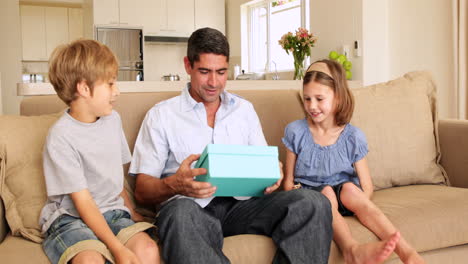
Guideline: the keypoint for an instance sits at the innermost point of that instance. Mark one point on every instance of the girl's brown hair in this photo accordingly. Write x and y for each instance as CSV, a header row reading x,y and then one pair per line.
x,y
81,60
344,100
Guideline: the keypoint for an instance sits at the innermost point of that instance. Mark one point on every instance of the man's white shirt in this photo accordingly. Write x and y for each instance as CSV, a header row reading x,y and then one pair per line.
x,y
176,128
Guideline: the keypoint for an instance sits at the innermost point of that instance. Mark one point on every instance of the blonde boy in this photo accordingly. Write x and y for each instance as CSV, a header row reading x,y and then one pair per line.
x,y
88,216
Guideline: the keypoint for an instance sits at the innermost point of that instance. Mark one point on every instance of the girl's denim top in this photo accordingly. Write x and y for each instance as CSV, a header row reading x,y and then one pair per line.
x,y
325,165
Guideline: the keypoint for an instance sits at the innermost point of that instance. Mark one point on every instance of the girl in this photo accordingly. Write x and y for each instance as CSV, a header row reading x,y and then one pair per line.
x,y
327,154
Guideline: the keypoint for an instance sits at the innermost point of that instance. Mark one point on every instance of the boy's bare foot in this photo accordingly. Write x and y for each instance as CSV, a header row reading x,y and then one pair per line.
x,y
372,253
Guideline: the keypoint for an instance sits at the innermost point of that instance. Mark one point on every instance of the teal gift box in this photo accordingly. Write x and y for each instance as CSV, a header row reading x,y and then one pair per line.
x,y
238,170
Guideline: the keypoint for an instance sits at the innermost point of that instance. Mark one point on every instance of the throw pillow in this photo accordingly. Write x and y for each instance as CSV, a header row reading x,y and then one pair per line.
x,y
399,119
22,184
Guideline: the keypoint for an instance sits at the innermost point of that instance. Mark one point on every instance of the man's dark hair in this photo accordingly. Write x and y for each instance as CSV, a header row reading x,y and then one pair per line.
x,y
206,40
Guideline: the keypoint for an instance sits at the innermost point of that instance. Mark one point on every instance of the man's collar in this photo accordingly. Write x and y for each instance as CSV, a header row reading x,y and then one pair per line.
x,y
188,103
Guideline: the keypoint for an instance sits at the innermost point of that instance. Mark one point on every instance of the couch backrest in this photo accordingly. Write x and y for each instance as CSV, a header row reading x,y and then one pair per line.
x,y
275,108
399,119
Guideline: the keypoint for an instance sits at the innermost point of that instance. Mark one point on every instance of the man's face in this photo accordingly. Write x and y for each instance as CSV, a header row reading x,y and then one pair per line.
x,y
208,77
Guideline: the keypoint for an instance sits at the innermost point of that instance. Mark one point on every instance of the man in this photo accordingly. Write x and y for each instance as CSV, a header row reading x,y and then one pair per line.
x,y
192,224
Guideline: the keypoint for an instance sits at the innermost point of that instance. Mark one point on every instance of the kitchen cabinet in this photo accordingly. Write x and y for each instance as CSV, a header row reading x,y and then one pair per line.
x,y
105,12
123,12
210,13
143,14
56,27
176,18
75,23
33,32
42,29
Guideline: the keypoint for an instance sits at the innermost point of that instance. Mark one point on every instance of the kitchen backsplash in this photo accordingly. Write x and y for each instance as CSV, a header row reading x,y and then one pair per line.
x,y
164,59
35,67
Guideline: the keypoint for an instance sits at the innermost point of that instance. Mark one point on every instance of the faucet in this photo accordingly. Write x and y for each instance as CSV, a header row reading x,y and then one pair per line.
x,y
276,76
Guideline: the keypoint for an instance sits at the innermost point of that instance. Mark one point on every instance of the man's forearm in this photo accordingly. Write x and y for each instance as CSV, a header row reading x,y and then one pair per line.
x,y
151,190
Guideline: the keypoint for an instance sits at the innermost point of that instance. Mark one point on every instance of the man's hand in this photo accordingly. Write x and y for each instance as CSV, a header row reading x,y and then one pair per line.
x,y
277,184
182,182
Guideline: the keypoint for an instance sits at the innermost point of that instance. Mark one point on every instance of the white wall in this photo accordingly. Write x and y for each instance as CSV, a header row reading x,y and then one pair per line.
x,y
233,31
421,38
337,23
10,54
1,107
375,53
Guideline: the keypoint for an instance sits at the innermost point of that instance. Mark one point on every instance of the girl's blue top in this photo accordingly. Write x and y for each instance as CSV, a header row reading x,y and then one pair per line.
x,y
325,165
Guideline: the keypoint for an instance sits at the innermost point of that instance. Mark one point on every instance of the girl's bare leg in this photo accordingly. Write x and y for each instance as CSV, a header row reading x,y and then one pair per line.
x,y
353,252
372,217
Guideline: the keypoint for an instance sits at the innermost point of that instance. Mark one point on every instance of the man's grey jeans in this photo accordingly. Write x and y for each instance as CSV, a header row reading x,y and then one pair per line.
x,y
298,221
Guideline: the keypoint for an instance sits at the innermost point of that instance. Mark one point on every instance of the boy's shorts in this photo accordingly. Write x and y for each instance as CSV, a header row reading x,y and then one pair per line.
x,y
337,189
68,235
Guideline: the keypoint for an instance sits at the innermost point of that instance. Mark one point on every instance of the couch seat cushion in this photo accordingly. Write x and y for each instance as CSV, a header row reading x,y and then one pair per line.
x,y
428,216
19,250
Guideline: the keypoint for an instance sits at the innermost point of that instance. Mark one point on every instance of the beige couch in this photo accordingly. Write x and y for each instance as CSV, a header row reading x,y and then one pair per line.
x,y
404,135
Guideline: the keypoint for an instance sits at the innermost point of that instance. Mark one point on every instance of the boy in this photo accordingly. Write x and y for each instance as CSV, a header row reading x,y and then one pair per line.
x,y
86,218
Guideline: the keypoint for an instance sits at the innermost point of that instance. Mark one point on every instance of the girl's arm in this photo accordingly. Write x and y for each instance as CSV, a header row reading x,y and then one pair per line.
x,y
92,217
362,170
289,170
136,217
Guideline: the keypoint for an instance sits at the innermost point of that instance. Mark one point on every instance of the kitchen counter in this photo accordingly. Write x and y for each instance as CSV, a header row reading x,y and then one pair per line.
x,y
31,89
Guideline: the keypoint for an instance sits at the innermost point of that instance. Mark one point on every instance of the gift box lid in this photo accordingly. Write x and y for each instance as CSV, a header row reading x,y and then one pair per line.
x,y
239,170
243,150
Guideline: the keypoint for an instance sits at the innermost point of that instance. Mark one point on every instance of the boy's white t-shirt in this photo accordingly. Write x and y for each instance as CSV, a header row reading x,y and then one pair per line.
x,y
81,156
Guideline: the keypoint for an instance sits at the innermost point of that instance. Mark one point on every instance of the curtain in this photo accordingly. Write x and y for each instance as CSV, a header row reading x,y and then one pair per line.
x,y
461,55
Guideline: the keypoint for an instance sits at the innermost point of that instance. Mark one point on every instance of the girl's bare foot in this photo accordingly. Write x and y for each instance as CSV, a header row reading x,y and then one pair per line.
x,y
372,253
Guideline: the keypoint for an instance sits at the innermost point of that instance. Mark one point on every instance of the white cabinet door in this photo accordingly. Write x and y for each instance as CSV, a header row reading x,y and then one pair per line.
x,y
106,12
33,32
150,16
180,16
140,14
56,27
210,13
130,12
176,17
75,23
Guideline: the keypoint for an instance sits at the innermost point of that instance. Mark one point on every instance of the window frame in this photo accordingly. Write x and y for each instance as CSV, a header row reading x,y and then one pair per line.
x,y
246,13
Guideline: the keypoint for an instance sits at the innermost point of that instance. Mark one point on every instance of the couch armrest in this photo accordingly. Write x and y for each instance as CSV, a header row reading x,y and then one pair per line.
x,y
453,136
3,224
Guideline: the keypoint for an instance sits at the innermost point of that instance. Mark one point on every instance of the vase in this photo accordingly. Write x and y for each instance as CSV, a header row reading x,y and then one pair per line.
x,y
298,65
298,70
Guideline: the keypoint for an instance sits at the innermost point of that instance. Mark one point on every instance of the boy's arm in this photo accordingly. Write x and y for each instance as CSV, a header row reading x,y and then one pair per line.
x,y
289,171
92,217
136,217
362,170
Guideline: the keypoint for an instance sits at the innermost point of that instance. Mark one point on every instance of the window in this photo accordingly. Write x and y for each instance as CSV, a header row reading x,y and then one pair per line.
x,y
267,21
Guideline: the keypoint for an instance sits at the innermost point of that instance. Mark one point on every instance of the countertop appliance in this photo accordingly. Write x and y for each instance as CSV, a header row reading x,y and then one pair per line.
x,y
171,77
127,45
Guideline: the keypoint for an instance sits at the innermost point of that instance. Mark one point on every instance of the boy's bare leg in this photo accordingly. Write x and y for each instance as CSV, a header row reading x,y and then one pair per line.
x,y
353,252
144,247
88,256
373,218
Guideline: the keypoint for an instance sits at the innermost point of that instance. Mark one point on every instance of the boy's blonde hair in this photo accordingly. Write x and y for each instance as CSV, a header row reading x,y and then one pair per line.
x,y
344,100
81,60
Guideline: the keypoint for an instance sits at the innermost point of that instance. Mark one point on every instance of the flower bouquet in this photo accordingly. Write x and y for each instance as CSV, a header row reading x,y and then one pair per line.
x,y
299,44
